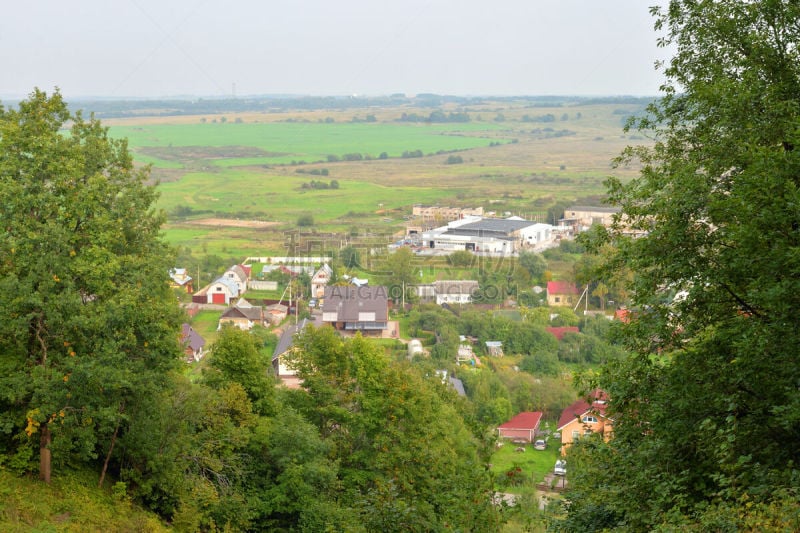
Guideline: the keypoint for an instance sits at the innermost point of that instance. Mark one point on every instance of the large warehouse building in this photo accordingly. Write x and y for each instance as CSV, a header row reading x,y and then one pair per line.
x,y
504,236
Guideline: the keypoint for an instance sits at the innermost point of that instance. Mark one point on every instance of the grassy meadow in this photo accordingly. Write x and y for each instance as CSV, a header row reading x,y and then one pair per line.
x,y
253,167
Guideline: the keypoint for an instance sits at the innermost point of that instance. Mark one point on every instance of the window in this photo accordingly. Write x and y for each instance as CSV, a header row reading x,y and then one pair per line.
x,y
589,419
576,435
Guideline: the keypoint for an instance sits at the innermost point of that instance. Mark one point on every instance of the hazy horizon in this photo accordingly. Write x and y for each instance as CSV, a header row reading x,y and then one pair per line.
x,y
151,49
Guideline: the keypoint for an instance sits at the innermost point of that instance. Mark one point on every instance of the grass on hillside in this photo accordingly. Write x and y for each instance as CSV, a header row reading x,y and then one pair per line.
x,y
205,323
534,464
71,503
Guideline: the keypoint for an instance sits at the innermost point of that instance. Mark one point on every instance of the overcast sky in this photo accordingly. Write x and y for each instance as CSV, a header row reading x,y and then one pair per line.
x,y
150,48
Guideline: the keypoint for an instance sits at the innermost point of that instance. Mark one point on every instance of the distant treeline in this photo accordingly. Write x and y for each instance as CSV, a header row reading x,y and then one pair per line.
x,y
435,116
106,108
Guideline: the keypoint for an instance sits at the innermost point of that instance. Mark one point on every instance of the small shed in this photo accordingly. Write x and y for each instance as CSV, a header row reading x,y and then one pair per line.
x,y
523,426
414,348
494,348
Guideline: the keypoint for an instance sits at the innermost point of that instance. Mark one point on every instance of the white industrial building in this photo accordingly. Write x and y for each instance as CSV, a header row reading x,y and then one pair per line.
x,y
495,236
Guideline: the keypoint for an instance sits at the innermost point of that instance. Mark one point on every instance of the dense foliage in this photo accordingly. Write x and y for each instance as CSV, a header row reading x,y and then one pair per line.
x,y
89,322
92,379
706,410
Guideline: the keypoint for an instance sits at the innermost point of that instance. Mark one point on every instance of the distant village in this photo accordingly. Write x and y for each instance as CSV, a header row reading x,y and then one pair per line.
x,y
353,305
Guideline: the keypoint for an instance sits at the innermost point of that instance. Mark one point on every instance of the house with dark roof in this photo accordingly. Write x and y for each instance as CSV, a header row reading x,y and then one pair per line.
x,y
562,293
584,417
280,368
454,291
364,309
193,344
243,315
521,427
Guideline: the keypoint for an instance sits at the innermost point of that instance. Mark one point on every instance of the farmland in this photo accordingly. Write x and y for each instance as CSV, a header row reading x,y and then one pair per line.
x,y
258,166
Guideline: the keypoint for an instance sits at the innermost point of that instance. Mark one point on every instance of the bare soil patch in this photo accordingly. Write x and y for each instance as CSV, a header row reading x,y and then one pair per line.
x,y
186,154
233,223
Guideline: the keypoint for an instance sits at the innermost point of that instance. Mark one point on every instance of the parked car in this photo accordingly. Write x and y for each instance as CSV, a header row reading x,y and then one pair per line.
x,y
540,444
312,303
560,468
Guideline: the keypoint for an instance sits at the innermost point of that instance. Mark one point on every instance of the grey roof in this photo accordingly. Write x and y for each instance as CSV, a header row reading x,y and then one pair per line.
x,y
497,225
239,272
596,209
458,385
287,338
232,286
191,338
348,302
250,313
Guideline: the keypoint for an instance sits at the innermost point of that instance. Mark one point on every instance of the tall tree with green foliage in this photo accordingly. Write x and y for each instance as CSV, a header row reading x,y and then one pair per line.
x,y
89,323
407,459
707,410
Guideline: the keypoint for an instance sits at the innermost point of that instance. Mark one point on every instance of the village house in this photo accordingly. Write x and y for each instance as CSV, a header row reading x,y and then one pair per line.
x,y
243,315
562,293
454,291
585,216
364,309
283,371
559,331
320,280
238,274
193,344
180,279
584,417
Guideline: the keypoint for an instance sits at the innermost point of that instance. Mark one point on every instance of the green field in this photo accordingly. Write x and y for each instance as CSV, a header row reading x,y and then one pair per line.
x,y
254,168
231,144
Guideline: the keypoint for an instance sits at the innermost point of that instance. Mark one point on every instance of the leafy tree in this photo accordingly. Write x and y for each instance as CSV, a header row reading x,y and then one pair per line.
x,y
407,460
707,407
534,263
399,271
350,256
461,258
89,323
305,220
235,358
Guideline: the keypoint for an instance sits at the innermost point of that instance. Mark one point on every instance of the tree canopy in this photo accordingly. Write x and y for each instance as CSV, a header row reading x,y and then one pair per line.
x,y
706,410
89,322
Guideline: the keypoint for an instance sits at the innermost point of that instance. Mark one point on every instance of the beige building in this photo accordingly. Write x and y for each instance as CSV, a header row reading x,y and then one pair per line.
x,y
440,213
589,215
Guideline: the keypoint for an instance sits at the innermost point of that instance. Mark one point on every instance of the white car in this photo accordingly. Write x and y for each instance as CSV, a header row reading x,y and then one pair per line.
x,y
540,444
560,468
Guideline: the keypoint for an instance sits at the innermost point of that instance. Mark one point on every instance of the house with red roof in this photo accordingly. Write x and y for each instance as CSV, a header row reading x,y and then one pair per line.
x,y
562,293
559,331
522,427
584,417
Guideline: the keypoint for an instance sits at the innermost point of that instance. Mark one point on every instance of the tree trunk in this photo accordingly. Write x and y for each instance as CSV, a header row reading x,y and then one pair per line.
x,y
110,450
44,453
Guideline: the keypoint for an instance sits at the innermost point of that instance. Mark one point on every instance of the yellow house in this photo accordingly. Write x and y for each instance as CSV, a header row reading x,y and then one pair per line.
x,y
584,417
